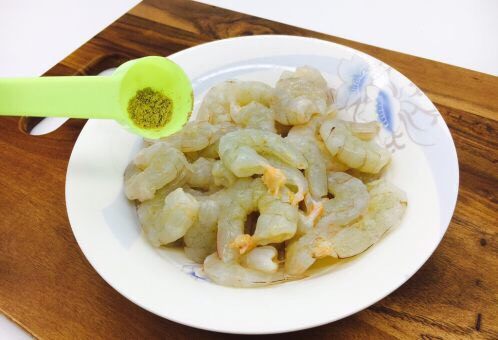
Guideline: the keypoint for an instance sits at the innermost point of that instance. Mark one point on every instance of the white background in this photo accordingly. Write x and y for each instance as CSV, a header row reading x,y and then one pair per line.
x,y
35,35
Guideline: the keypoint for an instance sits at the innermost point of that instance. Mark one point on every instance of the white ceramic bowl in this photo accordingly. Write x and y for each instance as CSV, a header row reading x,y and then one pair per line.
x,y
164,282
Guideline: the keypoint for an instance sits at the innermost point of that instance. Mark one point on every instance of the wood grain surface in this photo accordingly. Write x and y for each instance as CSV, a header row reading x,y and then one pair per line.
x,y
48,287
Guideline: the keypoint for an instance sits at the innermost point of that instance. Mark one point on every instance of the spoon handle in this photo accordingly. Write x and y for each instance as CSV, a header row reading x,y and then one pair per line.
x,y
74,97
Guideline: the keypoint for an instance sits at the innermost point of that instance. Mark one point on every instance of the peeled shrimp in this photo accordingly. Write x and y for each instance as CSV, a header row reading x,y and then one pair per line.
x,y
366,156
314,211
239,151
385,211
255,116
349,203
302,252
148,212
365,131
386,207
299,95
240,200
199,174
277,221
350,199
235,275
261,258
169,221
226,99
222,176
154,167
233,145
197,135
307,140
294,181
315,173
200,238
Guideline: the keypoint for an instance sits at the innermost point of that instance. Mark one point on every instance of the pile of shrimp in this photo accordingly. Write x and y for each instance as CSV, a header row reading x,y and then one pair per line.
x,y
265,181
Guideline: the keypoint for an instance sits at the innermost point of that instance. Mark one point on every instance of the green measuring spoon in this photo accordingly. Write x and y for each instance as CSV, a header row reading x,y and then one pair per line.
x,y
101,97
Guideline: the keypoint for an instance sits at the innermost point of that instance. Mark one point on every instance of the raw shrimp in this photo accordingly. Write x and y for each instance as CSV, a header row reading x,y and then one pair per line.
x,y
277,221
199,174
302,252
349,203
350,199
200,239
366,177
294,180
154,167
167,222
385,211
239,151
310,130
365,131
222,176
225,100
240,200
366,156
261,258
386,207
234,143
307,140
299,95
314,210
235,275
197,135
210,151
150,208
316,172
255,116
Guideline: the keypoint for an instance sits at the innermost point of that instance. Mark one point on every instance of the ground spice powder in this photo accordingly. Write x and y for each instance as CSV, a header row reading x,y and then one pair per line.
x,y
150,109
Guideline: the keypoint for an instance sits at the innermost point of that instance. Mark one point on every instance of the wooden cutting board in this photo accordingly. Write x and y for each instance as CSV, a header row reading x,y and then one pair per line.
x,y
48,287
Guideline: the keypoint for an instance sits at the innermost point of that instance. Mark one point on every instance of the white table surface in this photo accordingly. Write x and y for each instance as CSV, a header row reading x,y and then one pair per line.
x,y
35,35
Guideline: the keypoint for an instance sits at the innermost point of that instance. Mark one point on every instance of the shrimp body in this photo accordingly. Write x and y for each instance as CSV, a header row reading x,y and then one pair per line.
x,y
386,207
316,172
350,199
277,221
299,95
234,275
200,238
199,174
307,140
242,152
242,146
225,100
357,153
240,200
153,168
261,258
308,220
294,181
255,116
167,221
385,211
222,176
349,203
196,135
302,252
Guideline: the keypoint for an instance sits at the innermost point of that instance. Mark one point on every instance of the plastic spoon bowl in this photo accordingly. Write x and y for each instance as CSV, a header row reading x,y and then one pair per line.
x,y
101,97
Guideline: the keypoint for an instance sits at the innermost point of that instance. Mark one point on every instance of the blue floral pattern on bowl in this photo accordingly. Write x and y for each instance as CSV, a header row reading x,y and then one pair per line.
x,y
386,96
195,270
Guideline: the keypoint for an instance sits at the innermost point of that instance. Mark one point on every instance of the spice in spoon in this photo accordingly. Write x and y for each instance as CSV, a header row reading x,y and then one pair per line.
x,y
150,109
